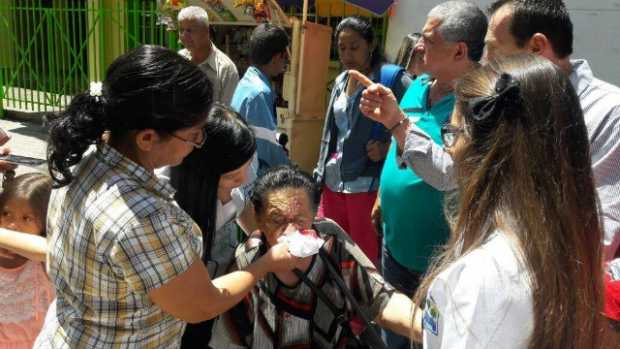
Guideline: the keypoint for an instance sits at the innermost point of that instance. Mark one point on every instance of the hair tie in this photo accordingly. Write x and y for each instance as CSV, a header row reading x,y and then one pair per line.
x,y
96,90
506,93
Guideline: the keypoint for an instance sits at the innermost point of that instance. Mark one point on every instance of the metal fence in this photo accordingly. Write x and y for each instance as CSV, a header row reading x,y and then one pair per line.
x,y
51,49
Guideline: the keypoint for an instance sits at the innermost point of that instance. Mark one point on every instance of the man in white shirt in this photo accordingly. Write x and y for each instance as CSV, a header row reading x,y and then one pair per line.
x,y
194,34
540,27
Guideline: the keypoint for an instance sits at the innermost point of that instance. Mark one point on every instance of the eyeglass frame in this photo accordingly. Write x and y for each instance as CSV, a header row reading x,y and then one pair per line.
x,y
194,144
450,129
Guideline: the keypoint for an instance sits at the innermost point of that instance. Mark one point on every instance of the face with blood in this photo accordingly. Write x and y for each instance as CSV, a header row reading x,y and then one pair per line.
x,y
283,207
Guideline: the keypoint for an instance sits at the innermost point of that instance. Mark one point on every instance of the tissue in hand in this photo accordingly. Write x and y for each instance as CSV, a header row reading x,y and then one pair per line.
x,y
302,243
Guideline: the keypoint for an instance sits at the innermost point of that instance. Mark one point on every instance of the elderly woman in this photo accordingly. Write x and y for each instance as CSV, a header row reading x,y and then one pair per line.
x,y
306,307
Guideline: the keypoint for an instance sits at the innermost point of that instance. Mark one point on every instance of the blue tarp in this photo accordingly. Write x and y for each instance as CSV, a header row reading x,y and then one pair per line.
x,y
375,6
378,7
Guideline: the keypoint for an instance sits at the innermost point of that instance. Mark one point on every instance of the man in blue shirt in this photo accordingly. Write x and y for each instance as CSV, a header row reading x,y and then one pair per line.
x,y
254,97
414,225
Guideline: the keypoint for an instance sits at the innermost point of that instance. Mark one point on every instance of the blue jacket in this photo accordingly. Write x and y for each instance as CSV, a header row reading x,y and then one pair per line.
x,y
355,161
255,101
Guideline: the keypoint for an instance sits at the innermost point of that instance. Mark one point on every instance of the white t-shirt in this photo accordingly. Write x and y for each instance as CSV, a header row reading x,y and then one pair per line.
x,y
240,195
483,300
226,212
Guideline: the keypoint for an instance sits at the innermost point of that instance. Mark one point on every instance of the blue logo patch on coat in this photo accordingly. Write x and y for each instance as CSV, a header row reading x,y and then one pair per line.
x,y
430,319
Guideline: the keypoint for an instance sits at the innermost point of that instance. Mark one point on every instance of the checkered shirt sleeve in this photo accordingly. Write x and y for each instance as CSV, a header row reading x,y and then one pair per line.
x,y
153,251
115,234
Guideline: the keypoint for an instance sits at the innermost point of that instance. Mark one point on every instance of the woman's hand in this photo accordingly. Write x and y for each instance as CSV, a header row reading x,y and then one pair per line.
x,y
4,165
278,259
376,150
378,102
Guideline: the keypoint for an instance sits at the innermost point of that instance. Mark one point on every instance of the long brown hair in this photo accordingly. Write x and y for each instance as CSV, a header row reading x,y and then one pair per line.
x,y
526,170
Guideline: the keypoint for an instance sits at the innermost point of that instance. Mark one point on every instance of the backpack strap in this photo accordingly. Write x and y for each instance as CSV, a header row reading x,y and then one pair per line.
x,y
375,340
390,74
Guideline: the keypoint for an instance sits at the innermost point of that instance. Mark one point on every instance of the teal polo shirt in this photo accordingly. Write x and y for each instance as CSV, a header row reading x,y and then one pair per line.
x,y
414,225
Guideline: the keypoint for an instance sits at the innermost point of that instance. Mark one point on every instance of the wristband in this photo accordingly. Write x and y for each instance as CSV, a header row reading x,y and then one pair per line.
x,y
402,121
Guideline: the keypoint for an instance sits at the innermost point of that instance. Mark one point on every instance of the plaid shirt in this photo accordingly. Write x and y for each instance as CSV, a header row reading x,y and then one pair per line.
x,y
115,234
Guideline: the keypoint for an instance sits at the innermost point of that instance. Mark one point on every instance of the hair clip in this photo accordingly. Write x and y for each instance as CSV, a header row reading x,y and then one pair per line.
x,y
96,89
506,92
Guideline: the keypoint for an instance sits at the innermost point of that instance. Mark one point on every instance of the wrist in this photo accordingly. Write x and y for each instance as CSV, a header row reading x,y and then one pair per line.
x,y
261,267
398,124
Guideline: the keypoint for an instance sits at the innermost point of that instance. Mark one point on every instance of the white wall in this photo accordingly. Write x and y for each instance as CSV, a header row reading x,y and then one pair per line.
x,y
596,31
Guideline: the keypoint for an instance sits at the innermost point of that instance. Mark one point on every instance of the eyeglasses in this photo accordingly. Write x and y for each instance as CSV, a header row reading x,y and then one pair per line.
x,y
449,134
198,140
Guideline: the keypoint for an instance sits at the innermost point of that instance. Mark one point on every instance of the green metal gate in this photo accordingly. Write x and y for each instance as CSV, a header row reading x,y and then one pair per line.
x,y
51,49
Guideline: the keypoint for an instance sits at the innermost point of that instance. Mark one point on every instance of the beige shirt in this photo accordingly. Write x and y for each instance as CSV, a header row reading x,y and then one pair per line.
x,y
221,71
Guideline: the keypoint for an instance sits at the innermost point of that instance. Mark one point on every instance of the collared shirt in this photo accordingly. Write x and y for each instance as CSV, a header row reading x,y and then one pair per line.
x,y
255,101
414,225
600,103
482,300
115,234
221,71
355,162
333,175
274,315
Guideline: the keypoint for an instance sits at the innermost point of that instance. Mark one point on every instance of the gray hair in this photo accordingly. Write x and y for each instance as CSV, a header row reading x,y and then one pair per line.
x,y
193,13
462,21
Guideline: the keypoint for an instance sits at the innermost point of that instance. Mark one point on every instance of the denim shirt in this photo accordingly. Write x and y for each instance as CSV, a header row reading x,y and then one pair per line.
x,y
255,100
333,176
355,162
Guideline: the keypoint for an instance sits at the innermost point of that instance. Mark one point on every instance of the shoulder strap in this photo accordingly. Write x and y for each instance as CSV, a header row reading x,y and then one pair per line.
x,y
377,342
340,316
390,74
332,307
248,251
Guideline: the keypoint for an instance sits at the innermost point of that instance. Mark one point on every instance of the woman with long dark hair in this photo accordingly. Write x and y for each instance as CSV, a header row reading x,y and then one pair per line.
x,y
207,183
353,147
522,268
124,258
